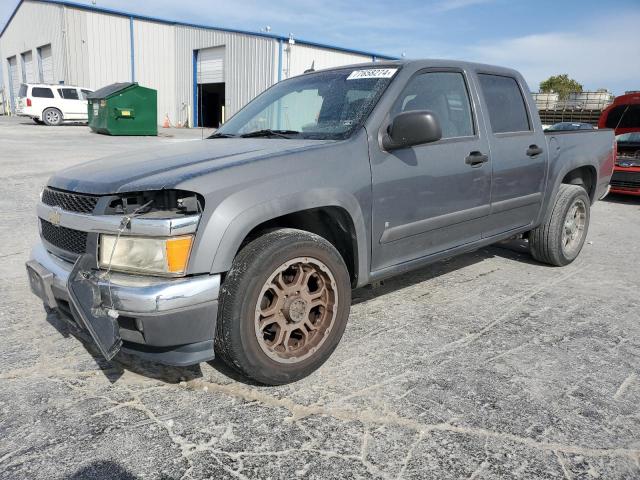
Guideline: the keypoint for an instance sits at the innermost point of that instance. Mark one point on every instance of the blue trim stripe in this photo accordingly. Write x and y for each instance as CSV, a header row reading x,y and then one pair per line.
x,y
280,42
195,88
133,56
194,25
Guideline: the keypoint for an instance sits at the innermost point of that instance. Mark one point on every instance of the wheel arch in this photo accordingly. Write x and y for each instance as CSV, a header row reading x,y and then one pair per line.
x,y
573,173
585,176
333,214
333,223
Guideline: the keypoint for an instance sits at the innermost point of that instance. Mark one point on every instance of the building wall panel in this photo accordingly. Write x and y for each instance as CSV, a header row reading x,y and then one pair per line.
x,y
155,64
109,46
76,65
34,24
97,47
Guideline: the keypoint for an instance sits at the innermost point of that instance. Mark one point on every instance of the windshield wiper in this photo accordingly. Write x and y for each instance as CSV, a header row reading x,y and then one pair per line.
x,y
221,135
267,132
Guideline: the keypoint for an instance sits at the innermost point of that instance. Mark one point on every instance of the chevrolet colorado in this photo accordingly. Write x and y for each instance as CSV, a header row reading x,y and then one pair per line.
x,y
247,244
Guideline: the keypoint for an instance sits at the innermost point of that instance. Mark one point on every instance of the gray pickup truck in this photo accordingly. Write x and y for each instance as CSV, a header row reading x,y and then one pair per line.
x,y
248,243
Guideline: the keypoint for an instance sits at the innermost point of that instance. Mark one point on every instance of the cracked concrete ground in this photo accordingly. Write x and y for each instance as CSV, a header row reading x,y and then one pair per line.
x,y
486,366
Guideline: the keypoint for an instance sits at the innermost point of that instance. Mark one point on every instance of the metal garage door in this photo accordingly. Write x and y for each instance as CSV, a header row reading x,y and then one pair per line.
x,y
14,80
211,65
28,71
45,66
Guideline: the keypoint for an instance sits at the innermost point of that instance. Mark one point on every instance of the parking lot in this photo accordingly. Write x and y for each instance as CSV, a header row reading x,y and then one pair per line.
x,y
489,365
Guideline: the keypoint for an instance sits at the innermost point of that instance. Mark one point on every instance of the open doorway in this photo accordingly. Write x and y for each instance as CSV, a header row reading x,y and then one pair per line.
x,y
211,105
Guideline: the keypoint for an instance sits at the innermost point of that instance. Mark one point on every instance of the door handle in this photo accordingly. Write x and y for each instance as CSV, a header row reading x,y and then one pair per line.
x,y
534,150
475,159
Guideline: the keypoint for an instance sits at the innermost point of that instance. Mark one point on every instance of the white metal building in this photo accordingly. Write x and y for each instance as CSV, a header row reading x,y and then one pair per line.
x,y
193,67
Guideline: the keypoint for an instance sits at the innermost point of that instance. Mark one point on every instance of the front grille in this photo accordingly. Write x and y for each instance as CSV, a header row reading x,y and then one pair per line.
x,y
66,239
625,179
73,202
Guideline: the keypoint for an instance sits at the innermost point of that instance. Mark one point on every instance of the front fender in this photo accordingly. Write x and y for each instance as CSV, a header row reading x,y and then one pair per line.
x,y
240,213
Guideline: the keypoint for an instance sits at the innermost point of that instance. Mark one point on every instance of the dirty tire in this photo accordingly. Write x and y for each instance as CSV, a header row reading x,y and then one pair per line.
x,y
547,242
52,117
239,341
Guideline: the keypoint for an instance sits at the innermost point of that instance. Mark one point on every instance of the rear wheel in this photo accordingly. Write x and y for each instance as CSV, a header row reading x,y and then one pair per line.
x,y
52,117
283,307
559,240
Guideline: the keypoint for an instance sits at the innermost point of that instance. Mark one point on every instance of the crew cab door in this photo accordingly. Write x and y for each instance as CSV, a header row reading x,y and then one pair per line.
x,y
518,156
432,197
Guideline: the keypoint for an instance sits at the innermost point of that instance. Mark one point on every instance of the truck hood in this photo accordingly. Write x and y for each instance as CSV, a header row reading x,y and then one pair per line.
x,y
170,165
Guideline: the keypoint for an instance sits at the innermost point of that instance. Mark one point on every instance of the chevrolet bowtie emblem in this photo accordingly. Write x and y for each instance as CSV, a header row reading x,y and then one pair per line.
x,y
54,217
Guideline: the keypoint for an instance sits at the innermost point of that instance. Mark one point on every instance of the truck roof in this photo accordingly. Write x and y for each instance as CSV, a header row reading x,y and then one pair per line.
x,y
427,63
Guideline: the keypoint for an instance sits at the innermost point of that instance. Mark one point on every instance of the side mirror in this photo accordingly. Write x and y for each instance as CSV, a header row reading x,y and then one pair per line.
x,y
412,128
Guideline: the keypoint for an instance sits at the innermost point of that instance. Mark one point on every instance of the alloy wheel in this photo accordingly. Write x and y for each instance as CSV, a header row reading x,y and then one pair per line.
x,y
296,310
574,228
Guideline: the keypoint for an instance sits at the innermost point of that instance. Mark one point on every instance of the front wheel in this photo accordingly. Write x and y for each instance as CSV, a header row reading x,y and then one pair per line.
x,y
559,240
283,307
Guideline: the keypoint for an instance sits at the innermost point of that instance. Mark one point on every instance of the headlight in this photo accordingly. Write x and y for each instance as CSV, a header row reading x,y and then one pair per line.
x,y
155,256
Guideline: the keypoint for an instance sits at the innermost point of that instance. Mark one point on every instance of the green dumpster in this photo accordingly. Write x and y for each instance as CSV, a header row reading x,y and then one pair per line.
x,y
123,109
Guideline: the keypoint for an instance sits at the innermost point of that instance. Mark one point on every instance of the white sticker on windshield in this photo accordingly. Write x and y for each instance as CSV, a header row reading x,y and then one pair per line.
x,y
372,73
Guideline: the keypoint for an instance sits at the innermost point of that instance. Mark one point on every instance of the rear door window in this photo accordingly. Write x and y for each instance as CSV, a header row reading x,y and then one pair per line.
x,y
84,93
40,92
507,109
68,93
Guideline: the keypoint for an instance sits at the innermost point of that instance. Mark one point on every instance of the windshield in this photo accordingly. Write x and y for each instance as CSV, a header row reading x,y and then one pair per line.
x,y
323,105
633,137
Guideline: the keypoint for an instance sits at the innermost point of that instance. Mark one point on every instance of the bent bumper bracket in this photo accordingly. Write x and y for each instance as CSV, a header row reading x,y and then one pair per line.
x,y
85,297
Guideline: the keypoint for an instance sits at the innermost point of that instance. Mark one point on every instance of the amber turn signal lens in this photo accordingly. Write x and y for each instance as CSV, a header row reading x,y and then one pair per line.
x,y
178,250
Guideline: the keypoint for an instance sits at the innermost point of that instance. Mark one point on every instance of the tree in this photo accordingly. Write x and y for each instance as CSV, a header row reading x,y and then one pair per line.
x,y
560,84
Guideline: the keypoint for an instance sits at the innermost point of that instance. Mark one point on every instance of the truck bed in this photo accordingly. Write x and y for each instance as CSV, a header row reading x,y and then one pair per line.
x,y
570,148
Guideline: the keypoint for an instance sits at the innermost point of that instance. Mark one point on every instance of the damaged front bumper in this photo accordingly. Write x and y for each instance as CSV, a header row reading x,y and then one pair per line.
x,y
167,320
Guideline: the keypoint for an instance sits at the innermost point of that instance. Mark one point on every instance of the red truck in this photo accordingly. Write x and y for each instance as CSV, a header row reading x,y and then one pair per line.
x,y
623,115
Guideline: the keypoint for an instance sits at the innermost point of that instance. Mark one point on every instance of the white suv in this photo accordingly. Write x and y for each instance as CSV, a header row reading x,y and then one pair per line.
x,y
52,104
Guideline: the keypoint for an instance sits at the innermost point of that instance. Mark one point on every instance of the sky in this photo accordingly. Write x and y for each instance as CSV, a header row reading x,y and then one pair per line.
x,y
596,42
